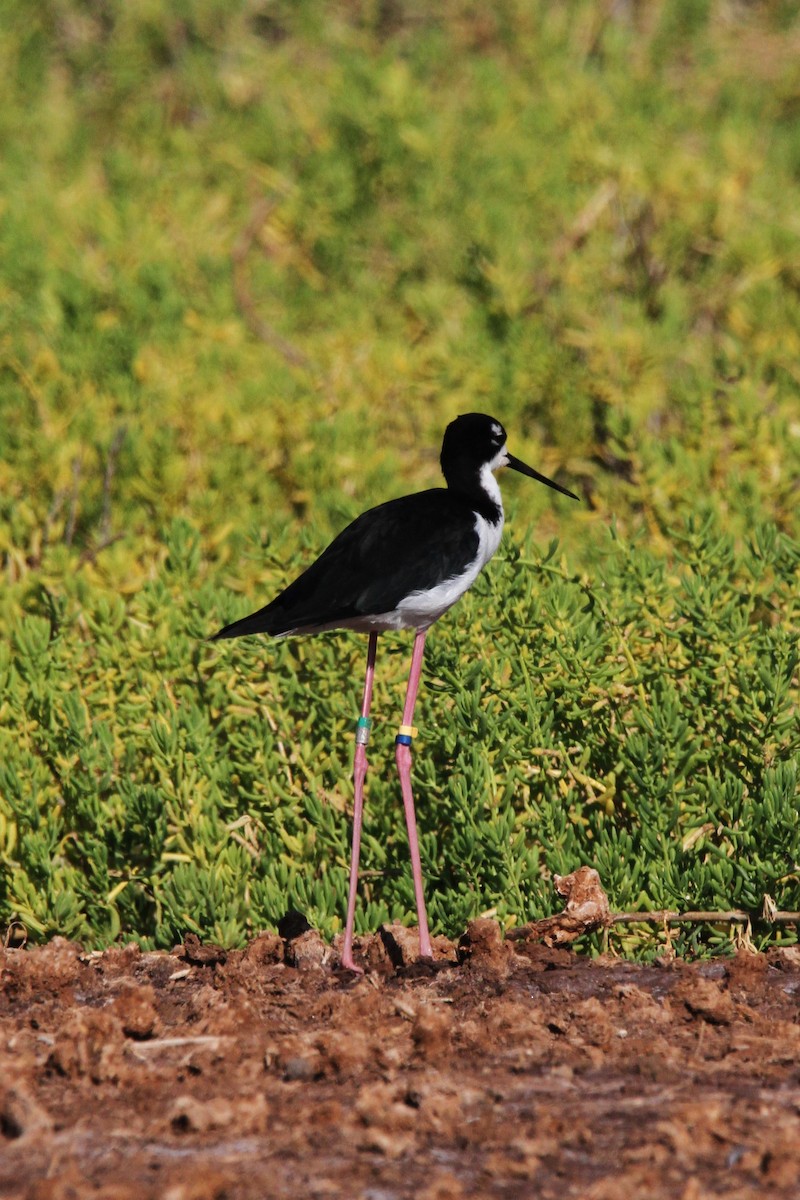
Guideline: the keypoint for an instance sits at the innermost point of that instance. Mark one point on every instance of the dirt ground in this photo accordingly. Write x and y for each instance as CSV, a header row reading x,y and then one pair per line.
x,y
503,1070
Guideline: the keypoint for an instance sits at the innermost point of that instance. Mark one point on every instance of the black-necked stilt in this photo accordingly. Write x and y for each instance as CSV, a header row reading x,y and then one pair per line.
x,y
401,566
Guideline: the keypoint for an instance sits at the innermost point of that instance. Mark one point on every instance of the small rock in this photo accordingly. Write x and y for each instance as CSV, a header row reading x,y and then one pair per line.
x,y
208,1185
20,1115
247,1113
200,955
135,1009
443,1186
71,1184
298,1070
401,944
308,951
483,945
189,1115
368,951
705,999
385,1106
89,1044
747,969
431,1031
264,950
787,958
343,1054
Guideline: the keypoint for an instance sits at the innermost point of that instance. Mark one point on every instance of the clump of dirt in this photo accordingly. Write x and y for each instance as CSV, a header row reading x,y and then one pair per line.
x,y
503,1069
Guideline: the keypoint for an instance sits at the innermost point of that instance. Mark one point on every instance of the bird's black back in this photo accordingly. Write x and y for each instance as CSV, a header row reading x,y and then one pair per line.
x,y
403,546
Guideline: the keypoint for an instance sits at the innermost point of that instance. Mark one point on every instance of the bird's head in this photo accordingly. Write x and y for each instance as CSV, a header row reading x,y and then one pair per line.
x,y
475,441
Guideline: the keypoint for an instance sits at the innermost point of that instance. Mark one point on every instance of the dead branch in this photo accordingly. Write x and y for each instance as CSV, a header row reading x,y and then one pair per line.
x,y
243,294
72,512
735,916
117,443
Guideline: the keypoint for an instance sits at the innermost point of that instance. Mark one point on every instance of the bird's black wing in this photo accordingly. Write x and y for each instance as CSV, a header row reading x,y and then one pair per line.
x,y
402,546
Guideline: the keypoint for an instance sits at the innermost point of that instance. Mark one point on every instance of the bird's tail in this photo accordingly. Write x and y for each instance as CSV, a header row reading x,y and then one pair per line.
x,y
258,622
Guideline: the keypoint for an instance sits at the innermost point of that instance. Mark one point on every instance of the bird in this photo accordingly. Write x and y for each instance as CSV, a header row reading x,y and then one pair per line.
x,y
401,566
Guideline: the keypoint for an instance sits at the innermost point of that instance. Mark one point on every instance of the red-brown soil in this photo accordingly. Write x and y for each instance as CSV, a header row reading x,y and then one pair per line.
x,y
518,1071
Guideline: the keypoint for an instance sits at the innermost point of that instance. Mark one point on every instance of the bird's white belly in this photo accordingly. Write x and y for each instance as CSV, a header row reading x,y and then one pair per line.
x,y
420,609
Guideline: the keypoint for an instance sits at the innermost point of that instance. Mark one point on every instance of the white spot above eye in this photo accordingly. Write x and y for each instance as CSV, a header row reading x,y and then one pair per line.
x,y
497,430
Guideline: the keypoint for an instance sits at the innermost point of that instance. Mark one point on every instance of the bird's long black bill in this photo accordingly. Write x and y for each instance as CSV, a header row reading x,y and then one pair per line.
x,y
524,469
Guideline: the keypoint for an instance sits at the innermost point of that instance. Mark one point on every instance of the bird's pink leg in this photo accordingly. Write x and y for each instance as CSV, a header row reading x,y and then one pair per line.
x,y
403,756
359,773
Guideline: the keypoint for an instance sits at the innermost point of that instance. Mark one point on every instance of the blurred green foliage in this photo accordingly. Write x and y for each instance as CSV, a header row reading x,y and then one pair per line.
x,y
253,257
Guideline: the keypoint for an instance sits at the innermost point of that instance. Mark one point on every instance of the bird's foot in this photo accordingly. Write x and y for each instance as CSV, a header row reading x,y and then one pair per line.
x,y
425,947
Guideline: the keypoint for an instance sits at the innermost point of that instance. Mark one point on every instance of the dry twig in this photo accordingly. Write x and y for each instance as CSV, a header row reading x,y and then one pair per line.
x,y
244,296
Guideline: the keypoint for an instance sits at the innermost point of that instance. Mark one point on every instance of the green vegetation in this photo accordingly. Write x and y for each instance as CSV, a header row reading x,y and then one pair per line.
x,y
253,257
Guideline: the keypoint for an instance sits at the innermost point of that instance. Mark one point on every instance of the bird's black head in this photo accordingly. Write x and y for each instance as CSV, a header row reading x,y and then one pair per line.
x,y
473,442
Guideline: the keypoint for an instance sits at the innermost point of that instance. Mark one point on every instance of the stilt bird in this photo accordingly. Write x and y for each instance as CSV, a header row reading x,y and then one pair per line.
x,y
401,566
